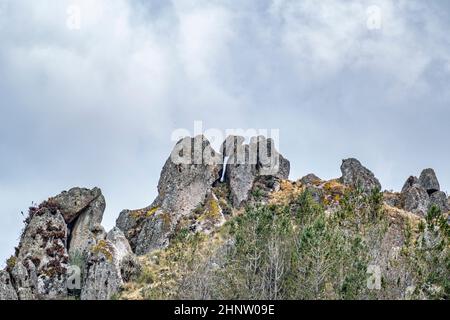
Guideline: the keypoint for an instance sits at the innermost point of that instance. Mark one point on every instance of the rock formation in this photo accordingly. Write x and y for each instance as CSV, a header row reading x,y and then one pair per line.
x,y
198,191
185,188
429,181
419,194
105,266
246,162
186,179
7,291
354,174
64,230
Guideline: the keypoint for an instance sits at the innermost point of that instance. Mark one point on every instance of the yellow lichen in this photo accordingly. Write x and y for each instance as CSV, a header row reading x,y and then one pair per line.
x,y
11,263
151,212
104,248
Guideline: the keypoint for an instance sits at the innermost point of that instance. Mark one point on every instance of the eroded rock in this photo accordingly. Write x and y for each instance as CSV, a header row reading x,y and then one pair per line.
x,y
102,279
439,199
416,200
42,258
87,225
109,263
71,203
310,179
7,290
429,181
354,174
412,180
246,162
186,179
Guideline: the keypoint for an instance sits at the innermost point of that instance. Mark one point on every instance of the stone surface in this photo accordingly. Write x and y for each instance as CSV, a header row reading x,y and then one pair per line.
x,y
102,278
440,200
7,290
120,243
87,225
416,200
246,162
186,179
71,203
25,280
42,258
354,174
240,177
107,260
130,268
429,181
269,161
412,180
310,179
210,217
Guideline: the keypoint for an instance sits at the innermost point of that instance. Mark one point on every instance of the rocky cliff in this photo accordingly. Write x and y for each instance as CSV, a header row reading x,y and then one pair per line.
x,y
64,252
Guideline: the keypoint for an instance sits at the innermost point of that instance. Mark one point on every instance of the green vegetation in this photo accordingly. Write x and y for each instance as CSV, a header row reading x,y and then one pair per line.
x,y
300,250
429,257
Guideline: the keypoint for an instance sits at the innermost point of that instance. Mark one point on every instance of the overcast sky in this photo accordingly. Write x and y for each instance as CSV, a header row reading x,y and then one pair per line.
x,y
96,105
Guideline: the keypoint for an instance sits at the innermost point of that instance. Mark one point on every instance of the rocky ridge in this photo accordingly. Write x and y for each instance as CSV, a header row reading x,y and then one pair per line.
x,y
63,238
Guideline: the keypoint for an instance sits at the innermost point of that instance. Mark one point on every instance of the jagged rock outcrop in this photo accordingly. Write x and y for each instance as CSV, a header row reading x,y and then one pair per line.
x,y
354,174
185,188
429,181
310,179
419,194
73,202
439,199
87,225
102,278
106,262
24,276
63,227
246,162
416,199
192,198
412,180
7,291
42,258
186,179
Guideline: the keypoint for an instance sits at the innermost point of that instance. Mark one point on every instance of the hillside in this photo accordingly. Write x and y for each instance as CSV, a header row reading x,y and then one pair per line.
x,y
231,225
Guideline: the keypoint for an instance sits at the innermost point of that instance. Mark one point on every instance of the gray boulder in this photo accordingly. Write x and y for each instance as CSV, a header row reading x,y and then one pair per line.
x,y
107,259
240,176
429,181
71,203
310,179
439,199
42,258
145,229
354,174
120,243
87,225
246,162
7,291
186,179
416,200
412,180
102,277
25,280
269,161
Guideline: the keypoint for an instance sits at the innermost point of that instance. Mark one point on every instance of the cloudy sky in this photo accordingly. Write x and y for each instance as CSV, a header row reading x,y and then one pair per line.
x,y
91,90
